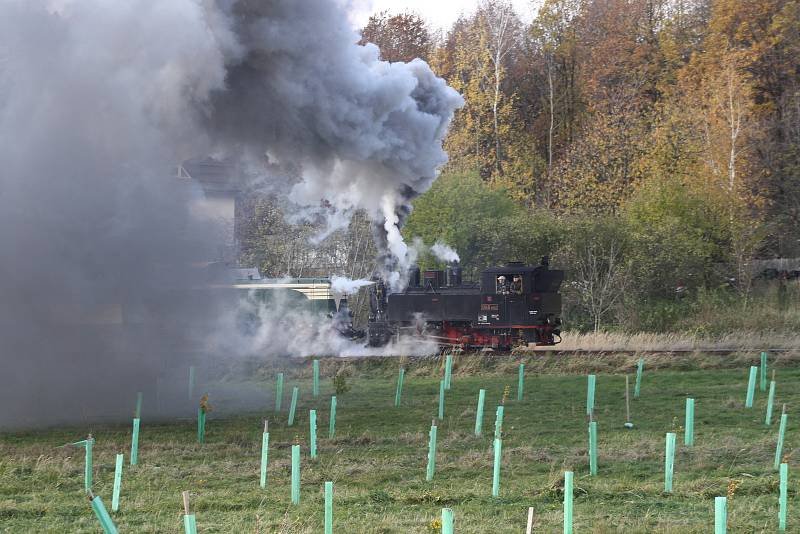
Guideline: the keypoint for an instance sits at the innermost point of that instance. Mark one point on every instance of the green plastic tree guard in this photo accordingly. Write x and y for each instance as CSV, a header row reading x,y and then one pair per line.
x,y
191,382
568,476
201,425
498,422
448,521
751,387
669,462
498,451
117,482
783,497
448,371
770,403
763,386
279,392
521,381
295,474
87,445
431,454
637,387
102,516
135,443
329,507
312,431
720,515
332,421
399,391
593,448
688,437
316,378
264,456
479,412
441,399
293,406
590,387
781,434
190,524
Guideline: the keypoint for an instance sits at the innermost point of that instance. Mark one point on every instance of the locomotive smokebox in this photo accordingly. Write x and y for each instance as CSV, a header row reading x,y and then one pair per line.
x,y
413,276
453,275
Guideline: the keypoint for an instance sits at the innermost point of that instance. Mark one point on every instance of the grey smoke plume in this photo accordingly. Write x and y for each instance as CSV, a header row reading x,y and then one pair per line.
x,y
99,99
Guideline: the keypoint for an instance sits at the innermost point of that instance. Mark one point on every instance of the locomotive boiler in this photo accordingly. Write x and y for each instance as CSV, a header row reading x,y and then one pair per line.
x,y
512,305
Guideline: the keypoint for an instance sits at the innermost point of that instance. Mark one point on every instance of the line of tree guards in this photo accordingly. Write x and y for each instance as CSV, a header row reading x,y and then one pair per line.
x,y
651,147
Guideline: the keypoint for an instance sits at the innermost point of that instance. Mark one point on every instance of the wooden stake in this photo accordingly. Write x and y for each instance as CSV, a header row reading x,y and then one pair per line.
x,y
529,530
185,496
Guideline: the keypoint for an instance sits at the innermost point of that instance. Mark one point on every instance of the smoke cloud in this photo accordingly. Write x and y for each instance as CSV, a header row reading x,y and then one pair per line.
x,y
99,99
444,253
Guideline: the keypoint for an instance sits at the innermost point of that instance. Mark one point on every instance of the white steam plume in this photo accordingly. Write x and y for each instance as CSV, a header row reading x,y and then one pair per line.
x,y
347,286
444,252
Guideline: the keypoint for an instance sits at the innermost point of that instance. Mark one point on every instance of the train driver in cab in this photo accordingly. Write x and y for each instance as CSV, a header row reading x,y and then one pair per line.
x,y
516,285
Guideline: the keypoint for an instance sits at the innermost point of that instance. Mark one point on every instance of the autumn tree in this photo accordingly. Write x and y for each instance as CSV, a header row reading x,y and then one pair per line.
x,y
401,37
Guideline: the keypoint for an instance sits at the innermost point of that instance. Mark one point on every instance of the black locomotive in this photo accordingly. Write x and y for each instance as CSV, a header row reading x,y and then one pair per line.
x,y
513,305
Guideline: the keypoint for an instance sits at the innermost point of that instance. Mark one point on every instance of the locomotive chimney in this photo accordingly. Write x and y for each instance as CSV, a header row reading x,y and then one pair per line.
x,y
413,276
454,274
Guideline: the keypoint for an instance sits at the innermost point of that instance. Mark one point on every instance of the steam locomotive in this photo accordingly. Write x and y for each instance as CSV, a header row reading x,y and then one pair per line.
x,y
512,305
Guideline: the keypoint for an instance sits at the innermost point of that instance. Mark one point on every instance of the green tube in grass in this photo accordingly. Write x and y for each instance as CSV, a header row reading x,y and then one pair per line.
x,y
568,482
498,452
441,399
399,391
264,455
295,474
720,515
117,482
763,385
189,524
498,422
329,507
637,387
431,470
448,520
781,435
751,387
783,497
669,462
479,412
135,442
332,421
770,403
448,371
312,431
201,425
293,406
520,381
688,437
593,448
590,387
102,515
279,392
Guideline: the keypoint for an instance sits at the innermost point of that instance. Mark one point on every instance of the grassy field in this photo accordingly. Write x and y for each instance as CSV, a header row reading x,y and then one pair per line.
x,y
377,459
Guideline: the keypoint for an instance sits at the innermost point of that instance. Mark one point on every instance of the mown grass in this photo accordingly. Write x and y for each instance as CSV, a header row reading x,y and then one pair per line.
x,y
377,459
